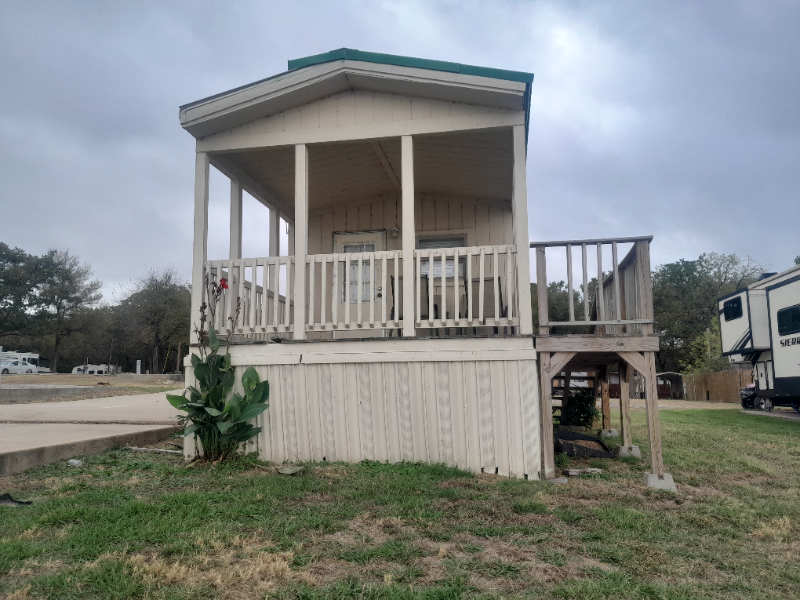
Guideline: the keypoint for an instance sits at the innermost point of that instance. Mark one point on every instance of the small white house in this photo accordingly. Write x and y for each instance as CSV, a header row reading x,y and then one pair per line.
x,y
403,307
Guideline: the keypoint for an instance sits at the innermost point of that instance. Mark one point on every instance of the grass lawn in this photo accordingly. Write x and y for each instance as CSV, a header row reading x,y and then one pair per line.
x,y
130,525
96,386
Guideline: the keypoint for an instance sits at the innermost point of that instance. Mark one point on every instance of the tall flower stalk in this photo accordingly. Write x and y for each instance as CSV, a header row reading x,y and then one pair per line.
x,y
217,415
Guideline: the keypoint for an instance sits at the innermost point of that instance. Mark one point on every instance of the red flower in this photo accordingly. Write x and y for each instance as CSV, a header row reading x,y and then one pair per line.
x,y
223,283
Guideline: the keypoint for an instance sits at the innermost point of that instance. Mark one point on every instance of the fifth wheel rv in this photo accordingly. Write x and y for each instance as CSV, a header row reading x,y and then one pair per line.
x,y
760,324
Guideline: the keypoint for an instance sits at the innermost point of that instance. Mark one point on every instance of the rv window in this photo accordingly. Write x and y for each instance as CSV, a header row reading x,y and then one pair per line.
x,y
789,320
732,308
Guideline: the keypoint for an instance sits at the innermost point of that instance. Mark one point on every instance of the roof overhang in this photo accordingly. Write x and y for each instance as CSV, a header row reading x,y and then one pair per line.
x,y
321,78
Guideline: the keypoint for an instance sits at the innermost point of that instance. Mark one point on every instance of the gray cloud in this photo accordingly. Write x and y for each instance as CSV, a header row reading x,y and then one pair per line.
x,y
676,119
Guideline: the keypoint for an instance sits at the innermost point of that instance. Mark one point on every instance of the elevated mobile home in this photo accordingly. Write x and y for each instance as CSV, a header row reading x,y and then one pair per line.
x,y
403,307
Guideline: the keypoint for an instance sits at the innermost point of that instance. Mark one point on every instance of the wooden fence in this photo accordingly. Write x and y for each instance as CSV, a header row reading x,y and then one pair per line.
x,y
722,386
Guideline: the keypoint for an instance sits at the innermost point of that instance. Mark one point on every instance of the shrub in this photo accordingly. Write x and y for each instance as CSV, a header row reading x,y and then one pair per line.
x,y
580,410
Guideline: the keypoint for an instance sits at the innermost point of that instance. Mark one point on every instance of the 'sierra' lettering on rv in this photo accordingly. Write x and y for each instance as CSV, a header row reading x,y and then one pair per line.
x,y
790,342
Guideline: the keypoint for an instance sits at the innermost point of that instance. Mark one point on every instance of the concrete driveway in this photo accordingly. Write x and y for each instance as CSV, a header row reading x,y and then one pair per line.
x,y
37,434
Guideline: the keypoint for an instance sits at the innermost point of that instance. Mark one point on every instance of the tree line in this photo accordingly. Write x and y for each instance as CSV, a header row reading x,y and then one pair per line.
x,y
52,305
685,296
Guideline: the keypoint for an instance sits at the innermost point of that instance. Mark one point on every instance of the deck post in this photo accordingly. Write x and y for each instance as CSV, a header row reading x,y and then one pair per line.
x,y
200,248
541,289
519,207
236,219
546,385
407,177
300,238
625,404
653,423
605,400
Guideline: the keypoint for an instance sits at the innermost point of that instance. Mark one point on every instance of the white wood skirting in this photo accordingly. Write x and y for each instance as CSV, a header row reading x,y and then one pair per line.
x,y
478,415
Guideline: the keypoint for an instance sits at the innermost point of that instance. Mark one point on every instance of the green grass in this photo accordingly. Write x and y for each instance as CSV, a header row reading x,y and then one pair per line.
x,y
129,525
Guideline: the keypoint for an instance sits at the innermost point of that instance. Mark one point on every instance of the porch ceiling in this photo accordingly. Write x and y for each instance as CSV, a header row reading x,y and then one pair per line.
x,y
473,165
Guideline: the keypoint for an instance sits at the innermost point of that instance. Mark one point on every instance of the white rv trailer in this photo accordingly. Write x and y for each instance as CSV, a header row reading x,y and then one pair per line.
x,y
29,357
760,324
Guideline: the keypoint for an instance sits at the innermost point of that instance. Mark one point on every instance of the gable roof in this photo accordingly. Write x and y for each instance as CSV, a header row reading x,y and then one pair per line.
x,y
314,77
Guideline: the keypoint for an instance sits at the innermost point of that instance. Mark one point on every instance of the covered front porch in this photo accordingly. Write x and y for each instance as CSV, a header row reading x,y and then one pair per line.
x,y
409,236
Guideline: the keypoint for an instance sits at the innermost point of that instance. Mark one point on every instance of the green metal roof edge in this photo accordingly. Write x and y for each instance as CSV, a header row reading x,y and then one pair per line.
x,y
408,61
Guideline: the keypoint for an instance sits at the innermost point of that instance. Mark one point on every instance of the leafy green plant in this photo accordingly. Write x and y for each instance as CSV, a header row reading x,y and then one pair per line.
x,y
216,414
580,410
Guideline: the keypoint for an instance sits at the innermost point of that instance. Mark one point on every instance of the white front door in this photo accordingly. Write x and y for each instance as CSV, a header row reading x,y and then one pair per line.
x,y
357,242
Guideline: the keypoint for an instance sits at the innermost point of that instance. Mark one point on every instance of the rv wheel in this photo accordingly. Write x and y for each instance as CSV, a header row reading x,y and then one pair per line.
x,y
29,371
768,406
759,404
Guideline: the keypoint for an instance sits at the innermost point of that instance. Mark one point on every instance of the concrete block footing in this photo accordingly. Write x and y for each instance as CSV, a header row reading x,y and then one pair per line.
x,y
665,482
628,451
607,433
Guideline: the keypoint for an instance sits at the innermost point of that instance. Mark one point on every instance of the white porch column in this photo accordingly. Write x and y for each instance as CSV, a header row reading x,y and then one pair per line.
x,y
519,208
236,219
274,232
300,238
407,168
200,249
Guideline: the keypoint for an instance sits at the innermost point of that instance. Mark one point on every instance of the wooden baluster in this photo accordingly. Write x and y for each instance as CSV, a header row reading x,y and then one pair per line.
x,y
312,271
372,289
290,276
276,276
510,296
601,311
397,299
541,290
496,282
323,317
265,297
418,254
481,290
443,307
346,284
585,283
384,290
469,286
430,287
617,306
335,293
569,283
360,292
455,286
253,298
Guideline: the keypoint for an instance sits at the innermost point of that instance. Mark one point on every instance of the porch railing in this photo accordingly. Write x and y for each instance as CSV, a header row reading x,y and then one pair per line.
x,y
466,287
462,288
622,297
354,291
263,309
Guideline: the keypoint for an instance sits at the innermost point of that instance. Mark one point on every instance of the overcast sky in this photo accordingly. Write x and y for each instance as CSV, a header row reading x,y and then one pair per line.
x,y
677,119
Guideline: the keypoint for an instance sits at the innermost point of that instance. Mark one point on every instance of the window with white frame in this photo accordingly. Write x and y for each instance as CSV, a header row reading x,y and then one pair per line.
x,y
437,243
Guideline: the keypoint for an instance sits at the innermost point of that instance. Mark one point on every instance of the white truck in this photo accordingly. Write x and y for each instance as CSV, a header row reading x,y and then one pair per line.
x,y
760,324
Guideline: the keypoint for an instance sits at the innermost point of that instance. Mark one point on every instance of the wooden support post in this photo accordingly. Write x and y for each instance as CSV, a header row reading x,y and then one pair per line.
x,y
546,386
200,251
549,366
653,423
541,288
300,239
519,208
625,404
236,219
605,400
274,233
407,219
